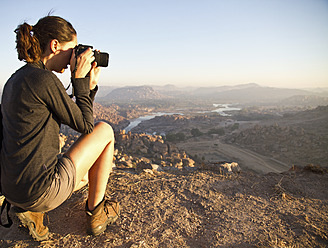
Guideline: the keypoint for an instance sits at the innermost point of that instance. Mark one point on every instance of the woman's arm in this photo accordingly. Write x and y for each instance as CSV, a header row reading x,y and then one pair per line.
x,y
79,114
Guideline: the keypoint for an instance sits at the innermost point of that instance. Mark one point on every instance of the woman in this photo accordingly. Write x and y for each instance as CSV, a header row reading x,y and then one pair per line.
x,y
34,104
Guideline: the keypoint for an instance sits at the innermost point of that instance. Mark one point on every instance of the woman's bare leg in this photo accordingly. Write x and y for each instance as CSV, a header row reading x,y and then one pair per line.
x,y
82,183
93,154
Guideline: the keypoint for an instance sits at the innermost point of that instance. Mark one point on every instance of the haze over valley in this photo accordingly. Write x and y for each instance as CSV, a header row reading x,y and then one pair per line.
x,y
262,128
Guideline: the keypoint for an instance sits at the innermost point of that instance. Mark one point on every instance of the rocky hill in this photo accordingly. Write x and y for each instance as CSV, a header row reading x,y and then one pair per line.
x,y
299,138
110,114
292,145
149,151
132,94
311,119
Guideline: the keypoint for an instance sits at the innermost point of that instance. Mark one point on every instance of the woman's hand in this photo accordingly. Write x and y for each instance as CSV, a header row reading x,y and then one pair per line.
x,y
94,75
83,61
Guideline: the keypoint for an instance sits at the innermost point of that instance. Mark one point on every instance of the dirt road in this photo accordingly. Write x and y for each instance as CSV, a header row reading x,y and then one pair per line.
x,y
214,150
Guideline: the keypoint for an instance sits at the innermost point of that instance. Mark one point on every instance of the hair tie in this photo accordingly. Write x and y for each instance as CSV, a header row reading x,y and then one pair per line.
x,y
32,31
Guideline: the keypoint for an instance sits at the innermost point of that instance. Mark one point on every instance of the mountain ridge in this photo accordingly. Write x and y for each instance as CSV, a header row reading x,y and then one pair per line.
x,y
242,93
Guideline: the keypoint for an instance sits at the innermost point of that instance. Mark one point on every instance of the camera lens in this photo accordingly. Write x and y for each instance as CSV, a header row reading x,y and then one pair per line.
x,y
101,58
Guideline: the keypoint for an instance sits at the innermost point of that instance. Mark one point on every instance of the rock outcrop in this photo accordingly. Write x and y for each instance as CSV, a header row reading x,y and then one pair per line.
x,y
148,152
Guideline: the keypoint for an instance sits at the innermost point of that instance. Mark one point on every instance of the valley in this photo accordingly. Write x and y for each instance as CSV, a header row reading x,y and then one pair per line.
x,y
263,136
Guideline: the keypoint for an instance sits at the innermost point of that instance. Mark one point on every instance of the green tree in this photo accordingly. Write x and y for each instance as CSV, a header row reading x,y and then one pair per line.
x,y
235,126
174,137
219,131
196,132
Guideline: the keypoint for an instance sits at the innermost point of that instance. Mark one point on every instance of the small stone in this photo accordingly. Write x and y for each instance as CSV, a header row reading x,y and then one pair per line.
x,y
156,167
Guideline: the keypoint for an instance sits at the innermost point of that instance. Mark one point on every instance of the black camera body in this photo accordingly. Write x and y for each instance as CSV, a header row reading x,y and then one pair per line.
x,y
101,58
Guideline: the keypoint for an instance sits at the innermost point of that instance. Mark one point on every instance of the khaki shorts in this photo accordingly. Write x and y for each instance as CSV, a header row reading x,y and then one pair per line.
x,y
59,190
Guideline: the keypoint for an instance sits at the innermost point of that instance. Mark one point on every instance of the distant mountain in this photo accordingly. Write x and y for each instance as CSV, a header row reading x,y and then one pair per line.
x,y
322,91
305,101
244,93
105,90
133,93
248,93
212,91
170,90
166,87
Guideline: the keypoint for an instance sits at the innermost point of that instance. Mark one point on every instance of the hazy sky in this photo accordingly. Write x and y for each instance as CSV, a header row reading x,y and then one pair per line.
x,y
280,43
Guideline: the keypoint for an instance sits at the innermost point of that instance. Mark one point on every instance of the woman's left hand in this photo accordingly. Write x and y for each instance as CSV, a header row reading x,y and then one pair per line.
x,y
94,75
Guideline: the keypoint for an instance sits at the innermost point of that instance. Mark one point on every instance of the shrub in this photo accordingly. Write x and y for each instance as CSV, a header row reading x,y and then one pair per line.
x,y
219,131
235,126
173,137
195,132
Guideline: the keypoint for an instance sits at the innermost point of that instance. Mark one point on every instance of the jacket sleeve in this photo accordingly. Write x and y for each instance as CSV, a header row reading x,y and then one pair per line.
x,y
79,114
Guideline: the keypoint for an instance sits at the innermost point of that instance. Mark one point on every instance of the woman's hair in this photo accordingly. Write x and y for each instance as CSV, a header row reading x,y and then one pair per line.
x,y
32,41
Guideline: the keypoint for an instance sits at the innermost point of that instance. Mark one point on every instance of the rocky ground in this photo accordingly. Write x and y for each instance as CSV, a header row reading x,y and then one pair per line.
x,y
202,208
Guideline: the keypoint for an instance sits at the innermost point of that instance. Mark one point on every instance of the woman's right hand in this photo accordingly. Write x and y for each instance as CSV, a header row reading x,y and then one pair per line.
x,y
84,61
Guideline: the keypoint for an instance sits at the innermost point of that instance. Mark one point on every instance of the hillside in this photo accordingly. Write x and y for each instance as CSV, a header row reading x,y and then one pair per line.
x,y
204,208
132,94
298,138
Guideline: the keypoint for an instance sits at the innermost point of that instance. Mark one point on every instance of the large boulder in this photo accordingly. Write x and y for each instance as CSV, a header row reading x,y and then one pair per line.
x,y
159,147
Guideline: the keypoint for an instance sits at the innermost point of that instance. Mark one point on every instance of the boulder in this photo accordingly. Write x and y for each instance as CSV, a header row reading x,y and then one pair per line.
x,y
159,147
188,162
222,167
142,165
156,167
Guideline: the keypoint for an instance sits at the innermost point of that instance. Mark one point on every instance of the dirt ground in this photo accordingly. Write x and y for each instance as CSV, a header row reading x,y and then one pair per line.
x,y
199,208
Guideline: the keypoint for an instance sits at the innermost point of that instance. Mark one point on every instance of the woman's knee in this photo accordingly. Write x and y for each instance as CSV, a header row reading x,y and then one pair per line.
x,y
105,129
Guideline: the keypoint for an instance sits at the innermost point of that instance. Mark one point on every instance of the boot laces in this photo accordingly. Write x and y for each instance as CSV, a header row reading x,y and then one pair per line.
x,y
110,203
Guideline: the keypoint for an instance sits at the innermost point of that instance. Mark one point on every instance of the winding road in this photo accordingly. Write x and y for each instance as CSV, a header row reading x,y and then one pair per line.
x,y
214,150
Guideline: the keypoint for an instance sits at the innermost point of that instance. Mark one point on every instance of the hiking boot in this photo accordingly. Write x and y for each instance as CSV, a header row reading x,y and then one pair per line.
x,y
34,222
105,213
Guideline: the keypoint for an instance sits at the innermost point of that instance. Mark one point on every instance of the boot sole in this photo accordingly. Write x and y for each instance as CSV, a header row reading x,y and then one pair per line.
x,y
31,227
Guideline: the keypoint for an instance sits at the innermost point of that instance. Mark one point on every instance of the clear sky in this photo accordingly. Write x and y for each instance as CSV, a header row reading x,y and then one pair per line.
x,y
278,43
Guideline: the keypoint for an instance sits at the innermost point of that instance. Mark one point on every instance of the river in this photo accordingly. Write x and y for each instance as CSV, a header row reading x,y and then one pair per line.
x,y
221,109
137,121
224,108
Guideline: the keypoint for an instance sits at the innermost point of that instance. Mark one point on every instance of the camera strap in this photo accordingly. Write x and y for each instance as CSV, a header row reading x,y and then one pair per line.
x,y
6,205
73,76
75,68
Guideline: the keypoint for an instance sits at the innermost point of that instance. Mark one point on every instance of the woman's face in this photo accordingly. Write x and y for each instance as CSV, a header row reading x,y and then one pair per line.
x,y
63,55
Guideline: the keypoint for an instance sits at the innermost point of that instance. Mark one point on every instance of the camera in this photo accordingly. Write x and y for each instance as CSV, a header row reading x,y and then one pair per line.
x,y
101,58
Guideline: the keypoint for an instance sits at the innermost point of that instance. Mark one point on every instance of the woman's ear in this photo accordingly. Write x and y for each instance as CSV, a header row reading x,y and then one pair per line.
x,y
54,45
